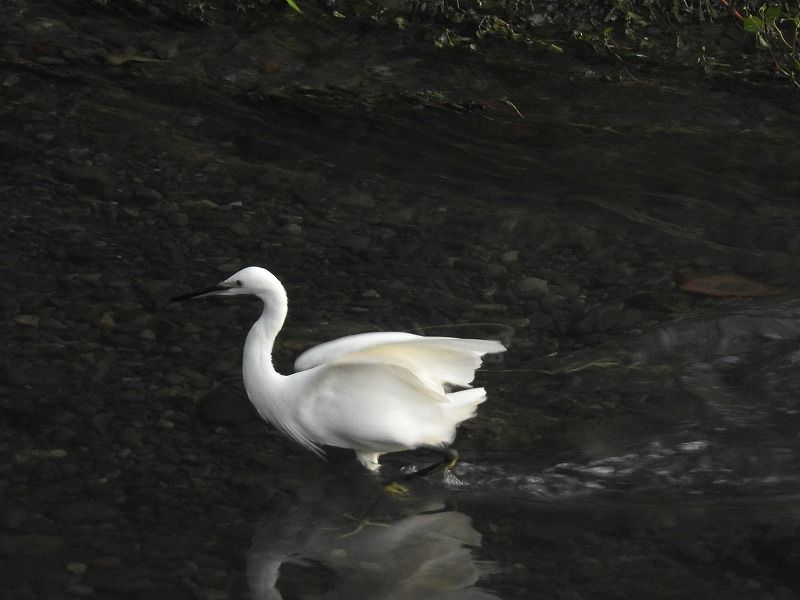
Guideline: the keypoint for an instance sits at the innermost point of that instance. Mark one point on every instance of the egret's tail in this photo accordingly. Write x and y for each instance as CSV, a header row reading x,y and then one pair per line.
x,y
463,404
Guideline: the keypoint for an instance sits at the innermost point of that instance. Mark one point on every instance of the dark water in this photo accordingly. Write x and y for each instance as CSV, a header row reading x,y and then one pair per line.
x,y
693,492
681,478
638,442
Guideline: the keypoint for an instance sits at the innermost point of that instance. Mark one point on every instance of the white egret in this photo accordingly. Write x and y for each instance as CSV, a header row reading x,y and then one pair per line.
x,y
371,392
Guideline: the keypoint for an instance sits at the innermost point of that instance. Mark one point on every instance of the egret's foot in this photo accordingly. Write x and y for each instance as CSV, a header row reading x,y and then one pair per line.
x,y
449,457
396,489
361,524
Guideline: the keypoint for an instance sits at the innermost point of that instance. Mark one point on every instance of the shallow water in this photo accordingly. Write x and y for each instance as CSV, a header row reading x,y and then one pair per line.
x,y
693,492
638,442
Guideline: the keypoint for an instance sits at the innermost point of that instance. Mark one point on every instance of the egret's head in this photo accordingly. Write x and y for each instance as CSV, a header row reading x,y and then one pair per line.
x,y
250,280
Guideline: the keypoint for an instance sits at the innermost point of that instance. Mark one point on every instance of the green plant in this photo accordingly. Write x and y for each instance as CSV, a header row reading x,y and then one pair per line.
x,y
293,5
777,29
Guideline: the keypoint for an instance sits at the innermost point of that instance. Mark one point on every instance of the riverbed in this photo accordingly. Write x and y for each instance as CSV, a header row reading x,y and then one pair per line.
x,y
639,440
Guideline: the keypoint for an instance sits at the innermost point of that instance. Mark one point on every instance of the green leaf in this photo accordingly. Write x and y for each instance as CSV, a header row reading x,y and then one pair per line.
x,y
293,5
771,13
752,23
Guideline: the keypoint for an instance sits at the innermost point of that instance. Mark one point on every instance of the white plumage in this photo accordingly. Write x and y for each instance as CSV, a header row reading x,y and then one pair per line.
x,y
372,392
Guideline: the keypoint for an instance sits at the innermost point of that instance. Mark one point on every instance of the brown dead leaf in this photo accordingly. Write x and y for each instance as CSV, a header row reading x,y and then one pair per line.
x,y
726,285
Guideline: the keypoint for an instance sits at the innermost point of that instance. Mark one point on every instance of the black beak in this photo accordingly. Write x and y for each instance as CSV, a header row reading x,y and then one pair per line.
x,y
212,289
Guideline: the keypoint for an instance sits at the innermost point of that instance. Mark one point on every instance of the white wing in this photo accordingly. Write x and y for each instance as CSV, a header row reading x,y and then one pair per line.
x,y
436,361
333,350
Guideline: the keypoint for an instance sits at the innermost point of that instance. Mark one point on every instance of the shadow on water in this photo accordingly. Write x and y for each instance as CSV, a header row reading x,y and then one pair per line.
x,y
351,539
693,491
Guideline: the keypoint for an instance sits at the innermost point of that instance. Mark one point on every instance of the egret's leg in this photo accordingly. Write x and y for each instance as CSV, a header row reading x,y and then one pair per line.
x,y
451,458
370,461
448,460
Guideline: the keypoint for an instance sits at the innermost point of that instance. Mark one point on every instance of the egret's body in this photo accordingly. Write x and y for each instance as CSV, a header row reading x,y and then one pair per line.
x,y
372,392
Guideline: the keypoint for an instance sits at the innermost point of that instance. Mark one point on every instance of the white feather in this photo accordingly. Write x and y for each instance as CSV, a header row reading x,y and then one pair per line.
x,y
435,360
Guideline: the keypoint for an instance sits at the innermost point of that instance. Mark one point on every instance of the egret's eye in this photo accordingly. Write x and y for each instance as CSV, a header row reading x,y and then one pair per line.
x,y
239,283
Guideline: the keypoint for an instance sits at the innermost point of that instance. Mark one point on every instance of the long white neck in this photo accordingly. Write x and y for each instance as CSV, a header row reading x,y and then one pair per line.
x,y
265,386
261,339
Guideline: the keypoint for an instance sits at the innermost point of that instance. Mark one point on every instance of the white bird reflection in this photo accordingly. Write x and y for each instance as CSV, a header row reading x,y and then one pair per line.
x,y
430,554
